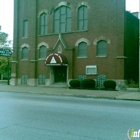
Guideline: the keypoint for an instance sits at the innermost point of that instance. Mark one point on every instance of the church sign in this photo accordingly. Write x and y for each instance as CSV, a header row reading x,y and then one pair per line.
x,y
5,52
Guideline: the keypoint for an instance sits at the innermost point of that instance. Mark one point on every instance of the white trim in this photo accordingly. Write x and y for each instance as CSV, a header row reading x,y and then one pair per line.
x,y
101,38
43,11
62,42
25,45
83,4
43,44
91,67
82,40
121,57
63,3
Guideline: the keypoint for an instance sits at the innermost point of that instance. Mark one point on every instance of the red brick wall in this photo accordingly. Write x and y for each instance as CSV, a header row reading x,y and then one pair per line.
x,y
105,18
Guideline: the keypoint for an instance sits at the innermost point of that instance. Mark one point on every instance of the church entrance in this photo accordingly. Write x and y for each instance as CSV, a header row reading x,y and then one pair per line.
x,y
60,74
58,68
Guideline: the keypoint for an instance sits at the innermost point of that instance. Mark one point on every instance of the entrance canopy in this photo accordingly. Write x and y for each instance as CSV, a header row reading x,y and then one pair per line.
x,y
56,59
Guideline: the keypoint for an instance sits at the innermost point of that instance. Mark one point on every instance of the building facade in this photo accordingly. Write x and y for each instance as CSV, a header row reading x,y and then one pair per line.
x,y
56,41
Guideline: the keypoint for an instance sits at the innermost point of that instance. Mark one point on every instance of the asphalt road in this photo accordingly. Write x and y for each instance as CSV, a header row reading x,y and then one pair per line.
x,y
41,117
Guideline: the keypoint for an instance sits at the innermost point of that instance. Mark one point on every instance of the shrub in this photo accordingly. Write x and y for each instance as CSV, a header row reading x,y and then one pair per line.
x,y
74,83
110,84
133,84
88,83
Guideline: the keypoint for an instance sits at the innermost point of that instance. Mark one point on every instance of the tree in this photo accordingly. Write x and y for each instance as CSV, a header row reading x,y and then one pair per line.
x,y
5,66
3,37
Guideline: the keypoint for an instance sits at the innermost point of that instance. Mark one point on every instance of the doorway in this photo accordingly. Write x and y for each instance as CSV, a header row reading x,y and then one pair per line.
x,y
60,74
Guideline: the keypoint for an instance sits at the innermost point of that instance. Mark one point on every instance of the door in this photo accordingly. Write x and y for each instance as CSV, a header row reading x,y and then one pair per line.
x,y
60,74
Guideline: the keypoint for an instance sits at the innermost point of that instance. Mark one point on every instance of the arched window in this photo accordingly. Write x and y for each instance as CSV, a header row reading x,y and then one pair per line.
x,y
62,19
25,53
42,52
43,24
82,18
82,49
101,48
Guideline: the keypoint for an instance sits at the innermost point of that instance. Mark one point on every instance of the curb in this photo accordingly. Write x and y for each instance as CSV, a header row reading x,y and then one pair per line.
x,y
63,92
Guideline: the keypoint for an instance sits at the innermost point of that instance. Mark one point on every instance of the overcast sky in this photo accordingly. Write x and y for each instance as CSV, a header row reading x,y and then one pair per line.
x,y
6,14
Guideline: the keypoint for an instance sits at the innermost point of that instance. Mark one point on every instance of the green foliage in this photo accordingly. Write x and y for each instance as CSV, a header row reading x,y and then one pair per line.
x,y
88,83
110,84
3,37
4,60
74,83
4,64
132,84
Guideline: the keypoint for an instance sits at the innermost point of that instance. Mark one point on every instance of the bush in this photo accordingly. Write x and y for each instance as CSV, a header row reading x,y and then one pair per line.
x,y
88,83
74,83
110,84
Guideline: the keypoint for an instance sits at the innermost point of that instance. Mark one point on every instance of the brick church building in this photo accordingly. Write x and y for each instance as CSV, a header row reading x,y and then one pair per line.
x,y
56,41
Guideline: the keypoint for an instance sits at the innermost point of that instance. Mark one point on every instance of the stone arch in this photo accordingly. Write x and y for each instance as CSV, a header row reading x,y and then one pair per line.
x,y
25,45
101,38
82,40
63,3
43,43
83,3
43,11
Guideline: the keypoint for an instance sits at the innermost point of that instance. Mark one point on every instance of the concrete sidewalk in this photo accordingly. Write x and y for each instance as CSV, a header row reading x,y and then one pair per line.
x,y
120,95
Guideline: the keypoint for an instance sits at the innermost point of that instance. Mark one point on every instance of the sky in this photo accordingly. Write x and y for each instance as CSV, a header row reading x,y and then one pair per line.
x,y
6,14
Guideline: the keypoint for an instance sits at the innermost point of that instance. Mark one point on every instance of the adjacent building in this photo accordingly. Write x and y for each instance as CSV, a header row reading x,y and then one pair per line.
x,y
56,41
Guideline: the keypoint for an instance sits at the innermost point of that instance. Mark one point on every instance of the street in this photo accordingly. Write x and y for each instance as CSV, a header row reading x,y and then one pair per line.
x,y
28,116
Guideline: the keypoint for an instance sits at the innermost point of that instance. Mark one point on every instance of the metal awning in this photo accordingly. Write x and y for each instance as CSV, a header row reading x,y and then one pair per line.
x,y
56,59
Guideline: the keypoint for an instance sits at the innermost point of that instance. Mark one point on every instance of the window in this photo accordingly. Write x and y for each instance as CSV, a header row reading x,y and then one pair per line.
x,y
62,19
42,52
25,28
41,79
25,53
101,48
43,24
91,70
82,49
82,18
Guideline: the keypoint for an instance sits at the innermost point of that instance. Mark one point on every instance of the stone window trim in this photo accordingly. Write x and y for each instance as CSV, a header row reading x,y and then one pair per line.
x,y
43,44
43,11
63,3
101,38
82,40
25,45
82,57
83,4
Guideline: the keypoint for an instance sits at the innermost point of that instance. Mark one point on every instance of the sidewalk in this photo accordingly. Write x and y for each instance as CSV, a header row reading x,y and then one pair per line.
x,y
120,95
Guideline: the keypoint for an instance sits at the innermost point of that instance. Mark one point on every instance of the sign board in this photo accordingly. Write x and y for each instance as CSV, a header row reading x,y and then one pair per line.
x,y
5,52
